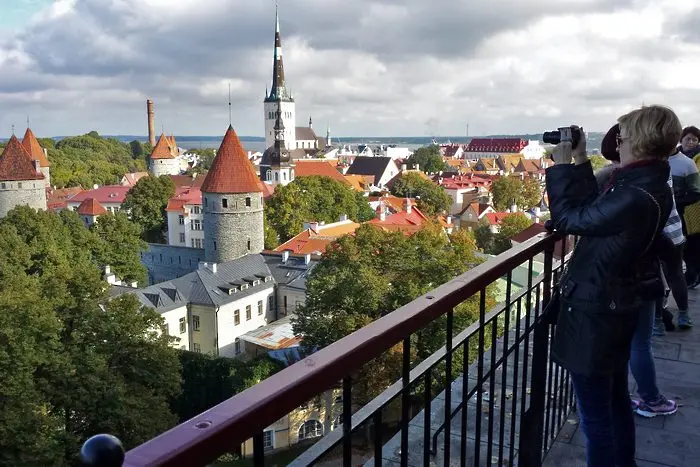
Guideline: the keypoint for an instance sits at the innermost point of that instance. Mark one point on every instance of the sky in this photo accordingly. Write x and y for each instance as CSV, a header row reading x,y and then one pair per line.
x,y
364,67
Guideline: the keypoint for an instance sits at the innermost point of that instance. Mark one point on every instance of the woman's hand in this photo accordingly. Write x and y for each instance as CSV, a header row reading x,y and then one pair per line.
x,y
561,154
579,154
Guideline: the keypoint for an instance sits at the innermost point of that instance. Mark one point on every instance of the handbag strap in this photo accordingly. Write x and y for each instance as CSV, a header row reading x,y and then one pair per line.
x,y
658,217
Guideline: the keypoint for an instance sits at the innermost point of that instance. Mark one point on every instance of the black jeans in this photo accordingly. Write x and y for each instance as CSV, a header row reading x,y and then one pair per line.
x,y
672,261
605,410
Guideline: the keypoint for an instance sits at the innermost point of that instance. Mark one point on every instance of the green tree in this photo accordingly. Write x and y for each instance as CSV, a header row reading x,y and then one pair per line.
x,y
136,149
432,199
484,237
146,203
121,247
428,158
314,198
206,157
526,193
598,162
272,240
370,274
511,225
99,366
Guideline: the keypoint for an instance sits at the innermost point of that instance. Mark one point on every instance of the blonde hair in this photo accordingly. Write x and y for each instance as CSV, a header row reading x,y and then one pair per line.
x,y
653,131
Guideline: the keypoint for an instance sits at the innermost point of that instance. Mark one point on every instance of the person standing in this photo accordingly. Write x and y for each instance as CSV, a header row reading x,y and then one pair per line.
x,y
600,292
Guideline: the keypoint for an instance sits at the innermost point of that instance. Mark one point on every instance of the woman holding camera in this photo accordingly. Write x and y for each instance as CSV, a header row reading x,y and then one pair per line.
x,y
602,291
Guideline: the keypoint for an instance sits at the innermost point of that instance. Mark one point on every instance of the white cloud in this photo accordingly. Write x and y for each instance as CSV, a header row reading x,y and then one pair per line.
x,y
368,67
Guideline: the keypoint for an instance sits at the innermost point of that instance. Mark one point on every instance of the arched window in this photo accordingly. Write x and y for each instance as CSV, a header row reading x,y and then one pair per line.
x,y
310,429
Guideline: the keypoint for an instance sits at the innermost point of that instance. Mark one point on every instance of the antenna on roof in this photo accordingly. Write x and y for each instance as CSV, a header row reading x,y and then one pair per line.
x,y
13,129
230,121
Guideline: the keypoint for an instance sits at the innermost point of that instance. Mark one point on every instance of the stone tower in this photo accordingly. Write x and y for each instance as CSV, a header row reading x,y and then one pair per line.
x,y
232,201
279,99
37,153
21,180
162,160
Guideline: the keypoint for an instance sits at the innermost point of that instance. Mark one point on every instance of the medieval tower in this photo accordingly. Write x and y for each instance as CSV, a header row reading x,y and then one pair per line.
x,y
232,199
21,180
37,153
279,99
163,159
277,165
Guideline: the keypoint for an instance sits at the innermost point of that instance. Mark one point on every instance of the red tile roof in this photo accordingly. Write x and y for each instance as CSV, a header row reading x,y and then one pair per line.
x,y
108,194
460,182
496,218
57,199
162,148
184,196
16,163
188,180
31,144
231,171
504,145
322,168
91,207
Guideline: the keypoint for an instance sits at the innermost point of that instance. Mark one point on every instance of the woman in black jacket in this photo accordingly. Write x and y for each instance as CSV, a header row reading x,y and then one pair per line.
x,y
600,291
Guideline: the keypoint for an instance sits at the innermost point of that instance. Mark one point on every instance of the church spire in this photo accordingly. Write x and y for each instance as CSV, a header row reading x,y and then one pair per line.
x,y
279,89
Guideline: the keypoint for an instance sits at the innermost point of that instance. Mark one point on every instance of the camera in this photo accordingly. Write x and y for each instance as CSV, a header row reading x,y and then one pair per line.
x,y
567,133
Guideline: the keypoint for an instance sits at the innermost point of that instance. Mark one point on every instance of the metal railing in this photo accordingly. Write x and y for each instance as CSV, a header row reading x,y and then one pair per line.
x,y
513,400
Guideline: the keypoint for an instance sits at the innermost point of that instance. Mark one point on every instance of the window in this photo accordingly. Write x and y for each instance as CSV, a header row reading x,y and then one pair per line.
x,y
182,238
310,429
284,175
183,325
197,210
270,302
247,202
214,244
237,317
285,303
195,322
197,348
247,313
196,224
248,244
4,185
167,329
224,203
268,439
181,219
206,202
260,308
19,184
237,346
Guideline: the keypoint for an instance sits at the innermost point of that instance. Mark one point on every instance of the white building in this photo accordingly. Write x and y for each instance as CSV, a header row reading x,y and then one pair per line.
x,y
533,150
165,158
185,218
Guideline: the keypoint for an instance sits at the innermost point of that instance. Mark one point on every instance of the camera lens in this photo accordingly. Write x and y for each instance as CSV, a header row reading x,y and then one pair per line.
x,y
551,137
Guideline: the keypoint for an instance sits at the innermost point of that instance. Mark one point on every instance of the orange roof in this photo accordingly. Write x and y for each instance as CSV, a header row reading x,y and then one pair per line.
x,y
322,168
162,148
130,179
268,190
394,203
496,218
91,207
188,180
360,182
232,171
57,199
310,241
31,144
16,164
403,218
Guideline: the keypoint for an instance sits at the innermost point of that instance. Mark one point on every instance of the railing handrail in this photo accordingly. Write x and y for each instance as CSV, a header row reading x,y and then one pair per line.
x,y
234,420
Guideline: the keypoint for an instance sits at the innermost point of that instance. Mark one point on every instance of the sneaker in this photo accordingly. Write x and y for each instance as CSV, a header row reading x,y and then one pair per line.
x,y
635,404
659,328
684,321
668,320
694,282
661,406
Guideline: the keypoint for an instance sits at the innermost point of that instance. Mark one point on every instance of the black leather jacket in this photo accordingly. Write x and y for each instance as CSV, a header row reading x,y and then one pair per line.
x,y
600,290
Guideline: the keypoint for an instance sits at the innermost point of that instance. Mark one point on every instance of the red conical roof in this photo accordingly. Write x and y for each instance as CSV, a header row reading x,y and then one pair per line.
x,y
162,148
16,164
231,171
91,207
32,146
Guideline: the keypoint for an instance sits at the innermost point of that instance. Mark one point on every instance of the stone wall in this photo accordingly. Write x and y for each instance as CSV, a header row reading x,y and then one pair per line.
x,y
31,193
167,262
235,230
165,167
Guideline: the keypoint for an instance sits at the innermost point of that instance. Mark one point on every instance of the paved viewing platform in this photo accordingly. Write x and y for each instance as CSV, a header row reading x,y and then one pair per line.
x,y
672,441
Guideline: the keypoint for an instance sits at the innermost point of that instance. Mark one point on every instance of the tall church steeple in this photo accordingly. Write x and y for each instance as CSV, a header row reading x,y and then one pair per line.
x,y
279,99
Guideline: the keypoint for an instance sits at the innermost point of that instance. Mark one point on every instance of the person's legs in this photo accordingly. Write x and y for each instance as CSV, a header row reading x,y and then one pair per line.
x,y
641,357
652,402
594,400
623,422
679,288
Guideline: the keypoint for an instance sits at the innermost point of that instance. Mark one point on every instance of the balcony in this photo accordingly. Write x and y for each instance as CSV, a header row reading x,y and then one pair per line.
x,y
508,403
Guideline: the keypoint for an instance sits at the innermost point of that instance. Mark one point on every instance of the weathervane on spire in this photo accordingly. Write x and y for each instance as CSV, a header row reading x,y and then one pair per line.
x,y
13,129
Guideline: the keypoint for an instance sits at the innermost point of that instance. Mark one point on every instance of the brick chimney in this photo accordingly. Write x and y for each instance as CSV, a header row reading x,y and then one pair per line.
x,y
151,123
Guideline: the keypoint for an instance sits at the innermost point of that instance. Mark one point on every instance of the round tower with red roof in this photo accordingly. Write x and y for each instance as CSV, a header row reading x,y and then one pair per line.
x,y
232,201
21,181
